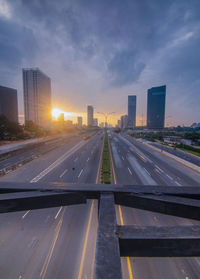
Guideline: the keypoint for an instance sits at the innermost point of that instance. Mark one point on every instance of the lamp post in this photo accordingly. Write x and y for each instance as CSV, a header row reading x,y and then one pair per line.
x,y
106,116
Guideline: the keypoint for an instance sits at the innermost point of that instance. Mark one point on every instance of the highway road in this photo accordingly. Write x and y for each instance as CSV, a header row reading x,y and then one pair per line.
x,y
56,242
60,242
134,163
177,152
36,150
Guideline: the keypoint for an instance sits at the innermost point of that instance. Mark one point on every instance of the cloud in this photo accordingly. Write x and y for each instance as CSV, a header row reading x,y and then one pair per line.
x,y
4,9
92,48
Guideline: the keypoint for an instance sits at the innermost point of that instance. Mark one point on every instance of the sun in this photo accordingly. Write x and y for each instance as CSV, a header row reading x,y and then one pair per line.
x,y
56,113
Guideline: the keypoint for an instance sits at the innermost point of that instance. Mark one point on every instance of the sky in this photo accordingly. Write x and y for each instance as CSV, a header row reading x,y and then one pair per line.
x,y
97,52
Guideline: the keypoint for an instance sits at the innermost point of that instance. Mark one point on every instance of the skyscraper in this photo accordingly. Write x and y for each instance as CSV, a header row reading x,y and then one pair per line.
x,y
124,121
90,113
156,107
131,111
37,97
8,103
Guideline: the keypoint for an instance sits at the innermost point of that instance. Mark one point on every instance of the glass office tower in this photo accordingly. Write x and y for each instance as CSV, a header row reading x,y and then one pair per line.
x,y
156,107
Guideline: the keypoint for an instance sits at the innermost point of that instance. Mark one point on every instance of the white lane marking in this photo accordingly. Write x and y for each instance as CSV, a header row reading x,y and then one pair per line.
x,y
25,214
122,158
130,171
169,177
147,171
64,172
159,168
76,159
58,212
88,159
20,277
57,162
80,173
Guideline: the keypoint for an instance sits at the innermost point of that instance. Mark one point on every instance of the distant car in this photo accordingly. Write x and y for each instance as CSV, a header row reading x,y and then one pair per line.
x,y
85,138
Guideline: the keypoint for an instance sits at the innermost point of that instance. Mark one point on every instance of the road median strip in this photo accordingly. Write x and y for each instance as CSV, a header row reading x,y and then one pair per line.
x,y
105,167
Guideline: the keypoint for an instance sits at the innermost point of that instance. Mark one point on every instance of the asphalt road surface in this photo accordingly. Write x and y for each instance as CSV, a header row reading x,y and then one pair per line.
x,y
181,154
56,242
135,163
60,242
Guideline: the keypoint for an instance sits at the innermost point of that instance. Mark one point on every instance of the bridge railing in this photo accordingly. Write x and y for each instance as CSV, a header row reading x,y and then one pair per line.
x,y
113,240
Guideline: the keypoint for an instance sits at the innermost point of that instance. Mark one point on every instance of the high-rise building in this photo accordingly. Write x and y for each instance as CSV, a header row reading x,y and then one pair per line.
x,y
156,107
90,113
37,97
124,121
131,111
8,103
95,122
119,123
80,121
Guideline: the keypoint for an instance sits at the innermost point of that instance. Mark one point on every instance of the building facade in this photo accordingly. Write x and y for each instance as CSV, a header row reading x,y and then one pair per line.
x,y
79,121
124,121
95,122
131,111
8,103
156,107
90,115
37,97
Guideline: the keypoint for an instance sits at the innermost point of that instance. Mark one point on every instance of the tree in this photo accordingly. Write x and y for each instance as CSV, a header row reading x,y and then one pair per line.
x,y
9,129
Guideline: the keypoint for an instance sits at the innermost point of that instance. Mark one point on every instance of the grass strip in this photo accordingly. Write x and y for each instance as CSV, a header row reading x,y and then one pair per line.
x,y
105,169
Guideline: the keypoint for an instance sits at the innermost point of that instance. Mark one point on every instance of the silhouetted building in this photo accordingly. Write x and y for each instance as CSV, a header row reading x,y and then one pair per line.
x,y
95,122
90,113
119,123
80,121
37,97
131,111
8,103
61,117
124,121
156,107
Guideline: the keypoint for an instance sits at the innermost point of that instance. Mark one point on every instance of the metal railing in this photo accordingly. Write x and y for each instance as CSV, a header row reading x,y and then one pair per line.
x,y
113,240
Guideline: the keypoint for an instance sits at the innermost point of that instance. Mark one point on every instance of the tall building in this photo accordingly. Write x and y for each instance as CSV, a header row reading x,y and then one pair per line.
x,y
119,123
90,117
8,103
124,121
95,122
156,107
37,97
80,121
131,111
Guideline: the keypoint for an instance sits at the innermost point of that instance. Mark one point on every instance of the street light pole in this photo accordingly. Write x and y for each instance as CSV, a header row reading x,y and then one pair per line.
x,y
106,116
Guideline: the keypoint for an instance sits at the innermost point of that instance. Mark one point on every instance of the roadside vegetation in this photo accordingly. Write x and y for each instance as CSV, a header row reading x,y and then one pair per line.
x,y
105,170
194,136
189,149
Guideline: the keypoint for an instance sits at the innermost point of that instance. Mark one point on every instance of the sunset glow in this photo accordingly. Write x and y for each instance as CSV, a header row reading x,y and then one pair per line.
x,y
56,112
